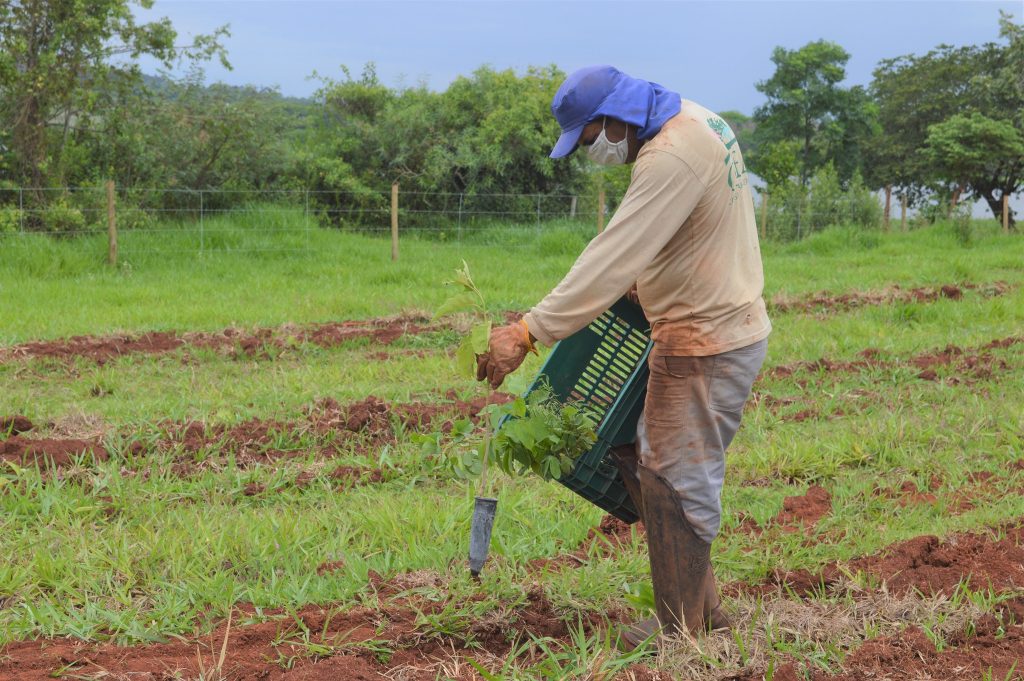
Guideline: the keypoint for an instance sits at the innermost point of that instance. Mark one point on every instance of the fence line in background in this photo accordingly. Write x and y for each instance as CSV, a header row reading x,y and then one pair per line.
x,y
79,210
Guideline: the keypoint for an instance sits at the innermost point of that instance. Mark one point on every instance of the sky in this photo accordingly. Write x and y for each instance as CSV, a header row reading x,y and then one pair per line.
x,y
710,52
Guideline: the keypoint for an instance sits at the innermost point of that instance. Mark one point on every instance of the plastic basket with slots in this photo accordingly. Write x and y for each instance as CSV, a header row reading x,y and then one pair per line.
x,y
605,367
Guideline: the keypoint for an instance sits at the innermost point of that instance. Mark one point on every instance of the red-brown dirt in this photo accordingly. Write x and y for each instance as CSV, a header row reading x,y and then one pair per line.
x,y
364,425
46,452
232,341
804,512
976,362
370,643
14,425
927,564
827,302
989,653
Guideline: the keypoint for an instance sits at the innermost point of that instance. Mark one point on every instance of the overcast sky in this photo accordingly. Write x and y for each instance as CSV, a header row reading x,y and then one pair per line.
x,y
711,52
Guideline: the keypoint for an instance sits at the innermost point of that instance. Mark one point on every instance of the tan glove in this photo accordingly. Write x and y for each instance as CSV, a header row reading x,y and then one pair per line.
x,y
506,350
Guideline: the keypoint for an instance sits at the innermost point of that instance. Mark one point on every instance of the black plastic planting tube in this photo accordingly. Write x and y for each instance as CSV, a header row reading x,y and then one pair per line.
x,y
480,532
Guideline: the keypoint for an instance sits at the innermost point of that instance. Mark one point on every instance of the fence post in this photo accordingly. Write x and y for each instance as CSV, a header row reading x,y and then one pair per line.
x,y
600,210
888,205
305,217
21,209
111,225
394,221
202,227
458,233
572,207
764,215
903,212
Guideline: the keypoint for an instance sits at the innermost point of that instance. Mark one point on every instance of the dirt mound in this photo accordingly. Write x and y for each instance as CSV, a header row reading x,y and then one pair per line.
x,y
14,425
972,363
231,341
826,302
802,512
912,655
47,452
927,564
371,643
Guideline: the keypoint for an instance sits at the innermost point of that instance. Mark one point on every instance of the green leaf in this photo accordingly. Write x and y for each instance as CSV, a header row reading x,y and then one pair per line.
x,y
463,301
465,358
480,337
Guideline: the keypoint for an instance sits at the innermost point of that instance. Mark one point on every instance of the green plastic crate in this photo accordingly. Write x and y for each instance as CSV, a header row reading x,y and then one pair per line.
x,y
605,367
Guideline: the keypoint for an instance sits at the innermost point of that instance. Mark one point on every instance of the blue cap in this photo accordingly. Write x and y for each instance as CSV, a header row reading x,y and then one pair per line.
x,y
577,101
596,91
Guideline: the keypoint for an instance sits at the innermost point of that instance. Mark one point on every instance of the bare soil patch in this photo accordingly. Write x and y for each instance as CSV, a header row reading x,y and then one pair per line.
x,y
988,653
231,341
925,564
365,642
826,302
46,452
973,363
14,425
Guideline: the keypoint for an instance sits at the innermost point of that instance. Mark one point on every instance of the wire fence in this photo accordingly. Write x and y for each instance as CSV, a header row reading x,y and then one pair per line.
x,y
169,220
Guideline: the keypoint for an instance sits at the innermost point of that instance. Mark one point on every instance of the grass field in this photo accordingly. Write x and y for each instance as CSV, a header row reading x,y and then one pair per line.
x,y
219,477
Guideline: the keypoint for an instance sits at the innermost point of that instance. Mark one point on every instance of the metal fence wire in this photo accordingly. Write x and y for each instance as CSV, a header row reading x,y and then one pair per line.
x,y
229,220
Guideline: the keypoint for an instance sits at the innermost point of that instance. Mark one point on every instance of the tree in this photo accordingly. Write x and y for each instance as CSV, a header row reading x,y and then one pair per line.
x,y
980,154
60,60
807,104
951,120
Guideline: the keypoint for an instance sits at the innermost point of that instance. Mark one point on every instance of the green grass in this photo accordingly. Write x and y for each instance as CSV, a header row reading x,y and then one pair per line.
x,y
128,549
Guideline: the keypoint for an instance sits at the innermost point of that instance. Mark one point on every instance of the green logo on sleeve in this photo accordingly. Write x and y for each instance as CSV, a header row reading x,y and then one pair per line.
x,y
733,159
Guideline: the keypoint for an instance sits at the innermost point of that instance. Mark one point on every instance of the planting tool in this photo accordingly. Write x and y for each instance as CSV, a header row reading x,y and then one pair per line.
x,y
484,508
480,532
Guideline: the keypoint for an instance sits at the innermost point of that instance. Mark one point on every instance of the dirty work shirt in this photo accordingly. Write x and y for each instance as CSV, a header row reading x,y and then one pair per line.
x,y
685,233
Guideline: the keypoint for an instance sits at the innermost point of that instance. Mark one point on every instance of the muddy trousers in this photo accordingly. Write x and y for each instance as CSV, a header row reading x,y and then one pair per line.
x,y
690,417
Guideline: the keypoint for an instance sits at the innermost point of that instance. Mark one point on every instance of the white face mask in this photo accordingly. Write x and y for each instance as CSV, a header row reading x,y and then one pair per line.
x,y
607,153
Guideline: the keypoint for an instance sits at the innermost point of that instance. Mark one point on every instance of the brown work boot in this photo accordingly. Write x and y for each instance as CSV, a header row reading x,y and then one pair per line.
x,y
680,560
715,618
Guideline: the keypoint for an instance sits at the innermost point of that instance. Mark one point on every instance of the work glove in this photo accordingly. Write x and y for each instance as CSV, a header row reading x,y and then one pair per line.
x,y
506,350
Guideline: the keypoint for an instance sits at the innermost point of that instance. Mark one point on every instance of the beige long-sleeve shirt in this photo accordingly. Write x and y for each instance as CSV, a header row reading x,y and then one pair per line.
x,y
685,233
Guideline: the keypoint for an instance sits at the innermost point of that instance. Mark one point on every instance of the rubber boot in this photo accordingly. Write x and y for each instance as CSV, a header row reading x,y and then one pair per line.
x,y
680,563
626,460
715,618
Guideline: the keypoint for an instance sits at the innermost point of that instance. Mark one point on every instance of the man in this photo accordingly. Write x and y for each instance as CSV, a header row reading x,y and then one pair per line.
x,y
685,235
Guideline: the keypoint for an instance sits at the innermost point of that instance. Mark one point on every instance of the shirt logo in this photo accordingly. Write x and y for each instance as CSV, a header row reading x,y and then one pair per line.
x,y
737,176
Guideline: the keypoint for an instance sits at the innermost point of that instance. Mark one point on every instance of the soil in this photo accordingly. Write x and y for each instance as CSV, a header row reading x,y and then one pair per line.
x,y
976,362
14,425
364,426
230,341
372,643
826,302
927,564
46,452
804,512
912,655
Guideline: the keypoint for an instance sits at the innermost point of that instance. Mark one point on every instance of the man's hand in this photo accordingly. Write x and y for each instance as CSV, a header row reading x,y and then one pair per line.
x,y
506,351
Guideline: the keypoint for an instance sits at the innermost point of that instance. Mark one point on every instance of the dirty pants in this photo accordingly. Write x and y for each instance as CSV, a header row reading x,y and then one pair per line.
x,y
691,414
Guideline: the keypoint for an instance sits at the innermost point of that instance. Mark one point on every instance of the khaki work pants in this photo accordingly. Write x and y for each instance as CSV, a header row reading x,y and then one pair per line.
x,y
691,415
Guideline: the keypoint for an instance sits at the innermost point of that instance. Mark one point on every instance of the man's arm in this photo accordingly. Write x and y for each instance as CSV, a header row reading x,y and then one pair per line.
x,y
662,194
